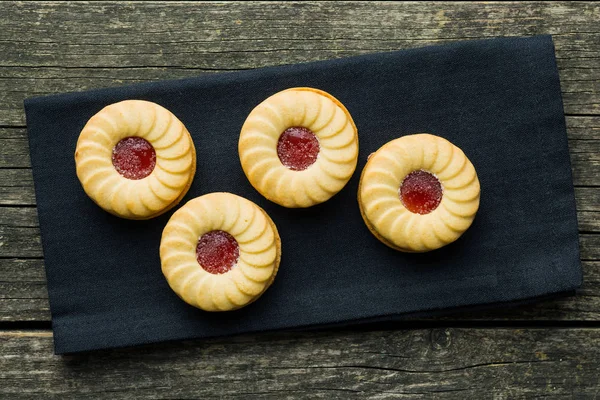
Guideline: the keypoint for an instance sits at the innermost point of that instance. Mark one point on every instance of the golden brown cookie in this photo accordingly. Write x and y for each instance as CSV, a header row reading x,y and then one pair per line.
x,y
299,147
135,159
220,252
418,193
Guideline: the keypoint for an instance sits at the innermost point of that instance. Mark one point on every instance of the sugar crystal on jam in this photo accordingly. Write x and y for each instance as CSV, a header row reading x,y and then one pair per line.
x,y
421,192
134,157
298,148
217,252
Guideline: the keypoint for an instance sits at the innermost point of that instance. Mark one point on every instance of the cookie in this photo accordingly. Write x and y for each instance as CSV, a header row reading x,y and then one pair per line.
x,y
135,159
299,147
220,252
418,193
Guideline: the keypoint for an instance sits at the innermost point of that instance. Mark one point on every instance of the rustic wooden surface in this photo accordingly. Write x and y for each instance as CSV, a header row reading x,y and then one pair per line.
x,y
549,349
460,363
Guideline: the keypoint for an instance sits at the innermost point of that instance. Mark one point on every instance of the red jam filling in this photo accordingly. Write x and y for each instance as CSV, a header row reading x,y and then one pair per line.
x,y
217,252
298,148
421,192
134,158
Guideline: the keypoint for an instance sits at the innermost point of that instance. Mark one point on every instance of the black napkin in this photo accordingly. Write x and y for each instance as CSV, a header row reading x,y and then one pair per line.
x,y
499,100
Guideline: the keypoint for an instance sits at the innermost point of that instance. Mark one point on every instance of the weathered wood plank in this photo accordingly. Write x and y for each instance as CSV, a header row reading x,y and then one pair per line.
x,y
586,168
20,242
589,247
583,134
27,300
588,204
587,198
16,187
22,282
586,128
15,133
589,221
23,293
15,153
25,217
425,363
20,235
24,297
41,56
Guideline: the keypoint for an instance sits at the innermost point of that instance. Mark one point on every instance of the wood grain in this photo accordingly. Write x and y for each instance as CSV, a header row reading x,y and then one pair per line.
x,y
54,47
25,219
16,182
109,44
24,297
43,57
413,364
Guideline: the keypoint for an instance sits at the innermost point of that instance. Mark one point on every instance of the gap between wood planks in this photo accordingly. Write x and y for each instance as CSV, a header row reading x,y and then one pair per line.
x,y
36,326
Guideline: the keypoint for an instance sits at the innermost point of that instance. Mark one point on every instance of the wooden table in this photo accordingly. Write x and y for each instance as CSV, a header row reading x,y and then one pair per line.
x,y
550,349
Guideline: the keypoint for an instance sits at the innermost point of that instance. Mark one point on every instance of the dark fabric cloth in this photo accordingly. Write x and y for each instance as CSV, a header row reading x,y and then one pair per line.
x,y
499,100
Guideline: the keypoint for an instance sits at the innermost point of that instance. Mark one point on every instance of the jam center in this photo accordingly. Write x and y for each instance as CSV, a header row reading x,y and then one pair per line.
x,y
421,192
298,148
134,158
217,252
